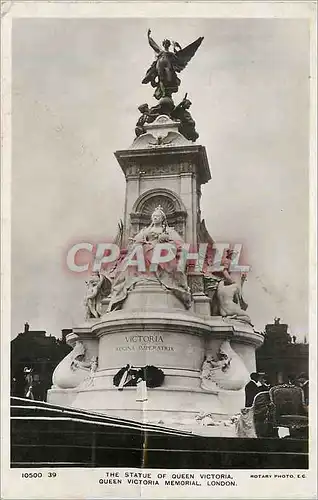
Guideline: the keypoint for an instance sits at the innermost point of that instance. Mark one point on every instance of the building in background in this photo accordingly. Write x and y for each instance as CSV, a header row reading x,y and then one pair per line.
x,y
281,356
35,352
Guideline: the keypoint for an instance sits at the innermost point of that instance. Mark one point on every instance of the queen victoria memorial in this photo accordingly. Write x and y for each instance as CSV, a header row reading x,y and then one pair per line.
x,y
165,339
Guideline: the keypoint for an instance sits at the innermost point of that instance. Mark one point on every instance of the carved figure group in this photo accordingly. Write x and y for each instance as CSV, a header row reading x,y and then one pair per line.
x,y
162,75
75,368
225,293
232,304
98,287
179,113
225,371
210,366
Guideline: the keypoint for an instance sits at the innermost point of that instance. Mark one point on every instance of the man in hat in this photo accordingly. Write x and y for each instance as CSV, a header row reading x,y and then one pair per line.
x,y
28,375
251,389
262,379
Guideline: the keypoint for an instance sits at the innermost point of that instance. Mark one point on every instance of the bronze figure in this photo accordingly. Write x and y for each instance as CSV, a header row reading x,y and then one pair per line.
x,y
162,74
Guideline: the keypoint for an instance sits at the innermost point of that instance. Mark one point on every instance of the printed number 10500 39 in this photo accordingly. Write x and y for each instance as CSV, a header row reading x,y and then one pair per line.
x,y
37,475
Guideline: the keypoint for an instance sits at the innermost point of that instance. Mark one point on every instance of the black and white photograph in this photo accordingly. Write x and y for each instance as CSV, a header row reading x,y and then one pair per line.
x,y
158,263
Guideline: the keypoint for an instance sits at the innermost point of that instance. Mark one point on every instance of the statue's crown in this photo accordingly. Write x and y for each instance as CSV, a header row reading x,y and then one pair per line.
x,y
159,210
159,207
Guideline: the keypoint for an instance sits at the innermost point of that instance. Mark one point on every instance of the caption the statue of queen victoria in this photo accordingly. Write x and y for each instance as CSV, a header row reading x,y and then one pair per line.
x,y
143,251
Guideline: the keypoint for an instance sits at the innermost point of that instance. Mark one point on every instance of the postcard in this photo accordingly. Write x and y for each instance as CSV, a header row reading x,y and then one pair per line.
x,y
158,263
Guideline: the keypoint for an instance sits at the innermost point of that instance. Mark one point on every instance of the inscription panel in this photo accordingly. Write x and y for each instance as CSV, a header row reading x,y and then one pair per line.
x,y
160,349
144,343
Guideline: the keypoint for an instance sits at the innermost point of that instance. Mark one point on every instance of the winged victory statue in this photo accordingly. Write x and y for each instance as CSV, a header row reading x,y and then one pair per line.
x,y
162,74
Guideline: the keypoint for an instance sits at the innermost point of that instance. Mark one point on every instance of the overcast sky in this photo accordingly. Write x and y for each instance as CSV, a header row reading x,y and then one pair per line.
x,y
76,88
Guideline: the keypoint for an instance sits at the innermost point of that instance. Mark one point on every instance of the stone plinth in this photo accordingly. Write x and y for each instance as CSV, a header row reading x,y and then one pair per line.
x,y
161,333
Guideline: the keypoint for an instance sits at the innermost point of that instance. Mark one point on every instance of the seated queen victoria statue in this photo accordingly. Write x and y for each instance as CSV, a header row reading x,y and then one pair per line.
x,y
126,274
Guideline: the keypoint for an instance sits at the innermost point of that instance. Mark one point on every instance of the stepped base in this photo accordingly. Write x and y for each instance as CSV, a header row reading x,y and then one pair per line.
x,y
175,407
89,440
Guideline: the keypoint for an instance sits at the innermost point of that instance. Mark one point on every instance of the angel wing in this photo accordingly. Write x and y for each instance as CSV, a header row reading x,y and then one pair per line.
x,y
203,234
183,56
120,232
151,74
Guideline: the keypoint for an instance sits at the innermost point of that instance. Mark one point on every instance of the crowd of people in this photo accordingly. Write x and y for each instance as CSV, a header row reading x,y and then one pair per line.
x,y
28,384
259,383
128,377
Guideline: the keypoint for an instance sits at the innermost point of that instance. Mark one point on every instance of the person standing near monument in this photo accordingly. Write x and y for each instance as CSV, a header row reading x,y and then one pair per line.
x,y
303,382
251,389
264,385
29,383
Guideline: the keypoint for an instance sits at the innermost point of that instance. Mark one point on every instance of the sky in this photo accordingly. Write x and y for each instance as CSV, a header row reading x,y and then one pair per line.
x,y
76,86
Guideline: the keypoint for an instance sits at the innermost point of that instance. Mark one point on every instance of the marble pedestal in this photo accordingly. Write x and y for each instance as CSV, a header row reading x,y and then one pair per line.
x,y
160,333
